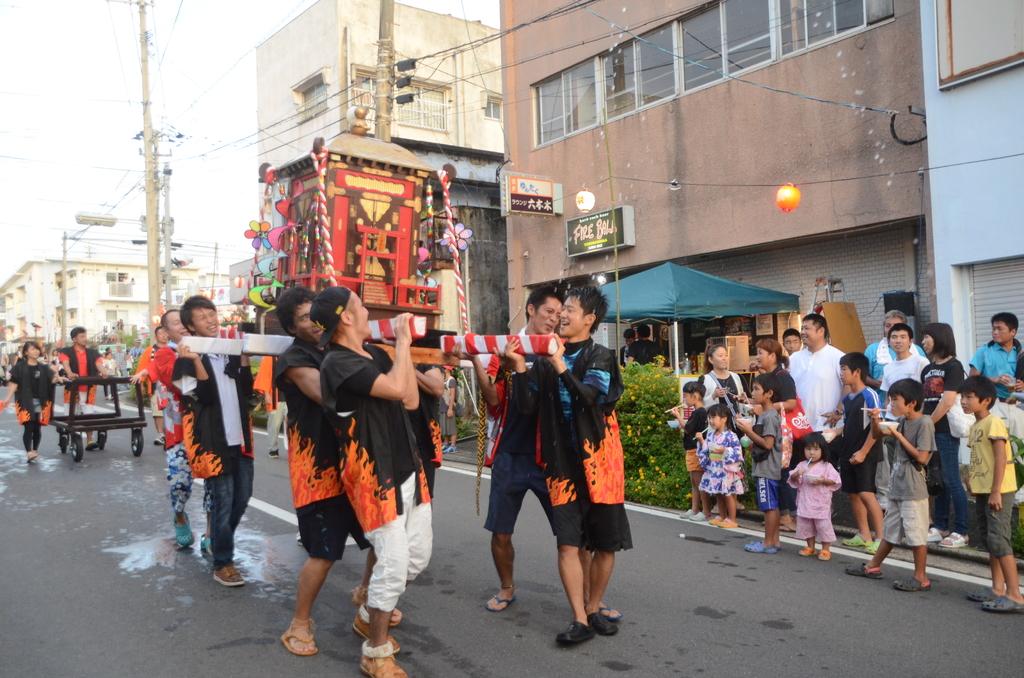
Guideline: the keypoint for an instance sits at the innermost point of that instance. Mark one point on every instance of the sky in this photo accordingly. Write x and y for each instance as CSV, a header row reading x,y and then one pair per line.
x,y
70,108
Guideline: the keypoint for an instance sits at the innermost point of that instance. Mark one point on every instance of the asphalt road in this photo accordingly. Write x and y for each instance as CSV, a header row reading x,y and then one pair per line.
x,y
91,584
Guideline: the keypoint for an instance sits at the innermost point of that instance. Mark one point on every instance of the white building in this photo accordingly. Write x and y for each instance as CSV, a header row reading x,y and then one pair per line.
x,y
313,70
974,92
100,295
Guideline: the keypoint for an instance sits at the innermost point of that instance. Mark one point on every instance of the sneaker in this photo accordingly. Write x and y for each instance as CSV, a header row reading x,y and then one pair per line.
x,y
228,576
955,540
601,625
699,517
273,454
183,534
934,536
687,514
575,634
159,441
856,541
872,548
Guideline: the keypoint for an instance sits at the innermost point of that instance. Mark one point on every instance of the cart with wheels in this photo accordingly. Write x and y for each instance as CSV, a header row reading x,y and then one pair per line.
x,y
73,426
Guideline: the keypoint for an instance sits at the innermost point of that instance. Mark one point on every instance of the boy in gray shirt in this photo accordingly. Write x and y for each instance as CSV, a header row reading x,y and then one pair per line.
x,y
766,450
906,519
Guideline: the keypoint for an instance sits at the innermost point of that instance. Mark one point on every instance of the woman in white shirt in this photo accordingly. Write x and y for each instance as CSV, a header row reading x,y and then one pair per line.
x,y
720,382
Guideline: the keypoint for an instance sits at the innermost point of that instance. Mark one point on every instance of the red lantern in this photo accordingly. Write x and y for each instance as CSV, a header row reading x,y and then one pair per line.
x,y
787,198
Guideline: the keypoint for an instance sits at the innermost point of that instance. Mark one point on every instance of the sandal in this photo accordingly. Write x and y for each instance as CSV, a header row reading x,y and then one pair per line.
x,y
296,635
759,547
911,585
31,457
608,613
825,556
492,605
360,594
981,596
863,570
1002,604
727,524
807,552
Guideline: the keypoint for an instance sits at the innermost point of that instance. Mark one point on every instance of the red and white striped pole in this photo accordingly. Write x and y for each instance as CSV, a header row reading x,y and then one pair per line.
x,y
460,288
319,156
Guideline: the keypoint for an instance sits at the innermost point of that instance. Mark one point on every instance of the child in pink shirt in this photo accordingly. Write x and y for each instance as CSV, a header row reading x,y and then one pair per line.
x,y
815,479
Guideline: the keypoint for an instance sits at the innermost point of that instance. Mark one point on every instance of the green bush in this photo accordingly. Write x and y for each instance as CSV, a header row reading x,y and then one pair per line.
x,y
655,460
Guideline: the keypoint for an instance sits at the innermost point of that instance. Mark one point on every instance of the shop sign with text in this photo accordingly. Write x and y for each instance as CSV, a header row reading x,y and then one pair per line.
x,y
530,195
600,231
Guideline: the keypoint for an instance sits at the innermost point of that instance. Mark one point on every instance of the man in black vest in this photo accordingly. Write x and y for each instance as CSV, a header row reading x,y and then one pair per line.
x,y
79,360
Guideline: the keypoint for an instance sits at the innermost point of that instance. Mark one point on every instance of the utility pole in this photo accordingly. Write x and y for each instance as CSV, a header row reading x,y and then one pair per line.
x,y
64,287
385,68
168,223
152,191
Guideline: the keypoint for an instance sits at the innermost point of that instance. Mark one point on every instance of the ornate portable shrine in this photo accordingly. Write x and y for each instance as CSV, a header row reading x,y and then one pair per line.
x,y
350,214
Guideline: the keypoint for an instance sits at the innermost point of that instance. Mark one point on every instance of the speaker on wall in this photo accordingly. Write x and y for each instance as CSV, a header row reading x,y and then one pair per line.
x,y
899,301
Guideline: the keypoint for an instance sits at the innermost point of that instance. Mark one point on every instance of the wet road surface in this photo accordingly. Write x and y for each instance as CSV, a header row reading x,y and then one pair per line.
x,y
93,585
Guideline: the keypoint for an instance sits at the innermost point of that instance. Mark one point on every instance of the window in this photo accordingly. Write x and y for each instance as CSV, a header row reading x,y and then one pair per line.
x,y
702,49
567,102
640,72
492,109
314,101
620,80
119,284
549,105
806,22
748,31
657,59
111,316
428,109
973,43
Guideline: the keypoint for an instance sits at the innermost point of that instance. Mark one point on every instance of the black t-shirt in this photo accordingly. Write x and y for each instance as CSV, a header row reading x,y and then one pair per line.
x,y
937,378
643,351
697,422
519,436
855,433
309,431
787,387
422,417
385,429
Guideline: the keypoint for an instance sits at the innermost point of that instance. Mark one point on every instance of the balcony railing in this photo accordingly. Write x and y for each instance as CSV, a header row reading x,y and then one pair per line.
x,y
120,290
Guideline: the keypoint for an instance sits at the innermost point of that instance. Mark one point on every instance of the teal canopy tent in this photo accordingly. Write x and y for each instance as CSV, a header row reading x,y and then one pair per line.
x,y
673,292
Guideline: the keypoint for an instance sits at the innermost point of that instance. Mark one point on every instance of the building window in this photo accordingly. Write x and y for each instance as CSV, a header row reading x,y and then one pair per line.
x,y
620,80
656,55
119,284
702,48
314,101
748,33
111,316
567,102
492,109
429,108
806,22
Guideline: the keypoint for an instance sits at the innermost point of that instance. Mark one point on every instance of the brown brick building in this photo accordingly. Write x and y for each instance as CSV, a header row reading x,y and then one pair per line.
x,y
662,90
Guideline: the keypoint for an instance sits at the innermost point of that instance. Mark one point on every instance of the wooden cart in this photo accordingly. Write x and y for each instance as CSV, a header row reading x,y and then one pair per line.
x,y
73,426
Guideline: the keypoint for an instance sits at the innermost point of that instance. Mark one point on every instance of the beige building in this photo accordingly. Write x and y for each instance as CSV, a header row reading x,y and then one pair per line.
x,y
100,295
323,62
698,111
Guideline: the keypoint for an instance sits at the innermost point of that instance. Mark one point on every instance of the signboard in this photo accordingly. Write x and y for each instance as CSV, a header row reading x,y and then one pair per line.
x,y
600,232
529,195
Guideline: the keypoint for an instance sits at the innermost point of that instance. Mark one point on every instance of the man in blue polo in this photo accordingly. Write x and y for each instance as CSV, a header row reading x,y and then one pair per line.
x,y
880,354
997,360
512,448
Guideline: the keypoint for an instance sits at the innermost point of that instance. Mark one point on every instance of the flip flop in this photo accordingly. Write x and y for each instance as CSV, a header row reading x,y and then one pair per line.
x,y
911,585
290,637
505,602
1002,604
862,570
604,610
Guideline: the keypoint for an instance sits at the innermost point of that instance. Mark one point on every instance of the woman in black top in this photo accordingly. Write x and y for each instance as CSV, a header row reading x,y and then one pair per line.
x,y
32,389
941,380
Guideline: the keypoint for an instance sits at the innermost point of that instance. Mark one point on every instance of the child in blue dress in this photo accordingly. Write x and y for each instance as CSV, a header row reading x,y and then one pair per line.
x,y
722,459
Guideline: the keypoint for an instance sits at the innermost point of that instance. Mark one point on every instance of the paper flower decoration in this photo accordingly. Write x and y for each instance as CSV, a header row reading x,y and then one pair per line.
x,y
458,236
258,232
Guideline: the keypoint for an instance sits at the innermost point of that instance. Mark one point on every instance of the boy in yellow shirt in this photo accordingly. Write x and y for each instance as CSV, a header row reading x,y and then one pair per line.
x,y
993,484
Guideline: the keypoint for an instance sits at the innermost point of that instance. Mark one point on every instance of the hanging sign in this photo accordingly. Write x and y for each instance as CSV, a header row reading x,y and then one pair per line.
x,y
529,195
600,231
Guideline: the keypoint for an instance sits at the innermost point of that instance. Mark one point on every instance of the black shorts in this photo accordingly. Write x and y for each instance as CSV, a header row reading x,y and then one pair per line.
x,y
325,526
859,478
595,527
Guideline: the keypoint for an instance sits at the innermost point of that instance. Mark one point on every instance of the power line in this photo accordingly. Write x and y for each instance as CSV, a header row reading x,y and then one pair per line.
x,y
19,158
167,45
674,183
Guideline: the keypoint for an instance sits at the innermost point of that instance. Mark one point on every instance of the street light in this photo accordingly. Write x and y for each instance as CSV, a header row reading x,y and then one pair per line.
x,y
87,220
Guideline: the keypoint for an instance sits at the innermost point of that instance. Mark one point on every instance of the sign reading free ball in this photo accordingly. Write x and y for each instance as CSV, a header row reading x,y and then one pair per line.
x,y
600,231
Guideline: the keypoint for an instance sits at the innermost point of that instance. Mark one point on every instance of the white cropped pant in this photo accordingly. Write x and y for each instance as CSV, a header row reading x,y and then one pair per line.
x,y
403,549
